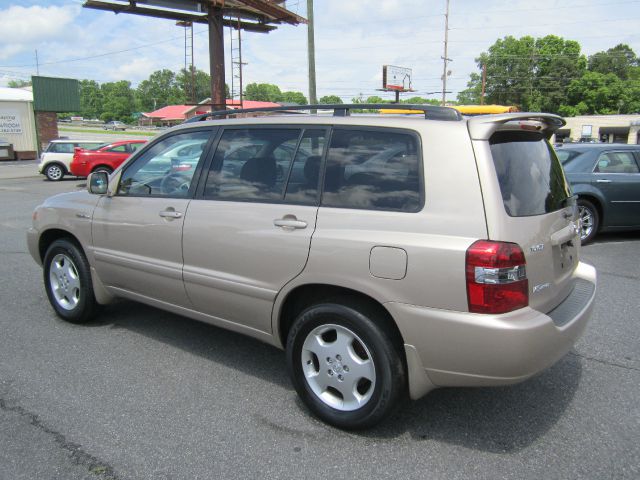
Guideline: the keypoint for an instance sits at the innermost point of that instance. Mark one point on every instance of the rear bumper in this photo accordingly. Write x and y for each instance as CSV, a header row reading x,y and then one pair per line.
x,y
466,349
79,169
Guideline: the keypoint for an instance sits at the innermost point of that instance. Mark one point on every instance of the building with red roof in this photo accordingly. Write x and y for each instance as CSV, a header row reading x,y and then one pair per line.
x,y
175,114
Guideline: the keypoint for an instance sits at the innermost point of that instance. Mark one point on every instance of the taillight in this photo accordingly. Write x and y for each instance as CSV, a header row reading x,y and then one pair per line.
x,y
496,277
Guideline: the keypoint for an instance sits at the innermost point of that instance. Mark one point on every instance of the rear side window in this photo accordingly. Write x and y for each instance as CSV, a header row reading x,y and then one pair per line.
x,y
530,175
373,169
616,162
60,147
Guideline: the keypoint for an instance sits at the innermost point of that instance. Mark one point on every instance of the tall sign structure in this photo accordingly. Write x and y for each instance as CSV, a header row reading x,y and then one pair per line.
x,y
252,15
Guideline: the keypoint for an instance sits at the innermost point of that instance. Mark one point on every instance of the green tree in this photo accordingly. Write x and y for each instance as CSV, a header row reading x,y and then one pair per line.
x,y
18,83
91,98
596,93
421,101
294,97
619,60
202,82
330,99
263,92
533,74
159,90
118,101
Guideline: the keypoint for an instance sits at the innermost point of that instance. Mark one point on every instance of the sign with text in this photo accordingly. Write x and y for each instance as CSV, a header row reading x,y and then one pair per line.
x,y
10,122
396,78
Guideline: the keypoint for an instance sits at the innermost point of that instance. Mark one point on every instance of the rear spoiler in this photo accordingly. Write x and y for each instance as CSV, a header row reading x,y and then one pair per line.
x,y
483,126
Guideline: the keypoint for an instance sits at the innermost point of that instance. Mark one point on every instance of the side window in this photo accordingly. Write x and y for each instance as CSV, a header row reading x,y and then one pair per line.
x,y
90,146
375,170
135,146
166,169
302,186
617,162
118,149
61,148
252,164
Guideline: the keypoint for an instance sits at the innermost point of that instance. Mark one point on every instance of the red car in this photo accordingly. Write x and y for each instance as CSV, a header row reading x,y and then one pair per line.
x,y
106,158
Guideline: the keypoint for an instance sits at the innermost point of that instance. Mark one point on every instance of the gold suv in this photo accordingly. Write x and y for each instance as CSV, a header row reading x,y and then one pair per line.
x,y
389,255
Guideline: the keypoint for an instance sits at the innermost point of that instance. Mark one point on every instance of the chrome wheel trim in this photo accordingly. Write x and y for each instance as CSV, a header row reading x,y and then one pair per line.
x,y
586,221
54,172
338,367
64,282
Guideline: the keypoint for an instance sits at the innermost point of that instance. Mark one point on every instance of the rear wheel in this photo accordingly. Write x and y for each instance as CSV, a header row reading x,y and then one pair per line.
x,y
589,220
344,365
67,280
54,172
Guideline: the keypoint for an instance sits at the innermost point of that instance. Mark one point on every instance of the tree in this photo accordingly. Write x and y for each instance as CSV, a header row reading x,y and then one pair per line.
x,y
421,101
619,60
91,98
533,74
159,90
118,101
595,93
18,83
294,97
263,92
330,99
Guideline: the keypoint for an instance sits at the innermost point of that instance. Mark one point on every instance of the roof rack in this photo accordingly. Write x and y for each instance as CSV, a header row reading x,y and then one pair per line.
x,y
431,112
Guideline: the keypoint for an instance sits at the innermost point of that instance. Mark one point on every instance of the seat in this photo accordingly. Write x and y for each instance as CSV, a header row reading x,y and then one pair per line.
x,y
260,171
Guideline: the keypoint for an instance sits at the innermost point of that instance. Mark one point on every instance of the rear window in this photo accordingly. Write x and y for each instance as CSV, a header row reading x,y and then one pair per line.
x,y
530,175
373,170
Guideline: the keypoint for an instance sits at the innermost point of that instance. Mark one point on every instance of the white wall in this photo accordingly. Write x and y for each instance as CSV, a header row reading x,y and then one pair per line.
x,y
24,139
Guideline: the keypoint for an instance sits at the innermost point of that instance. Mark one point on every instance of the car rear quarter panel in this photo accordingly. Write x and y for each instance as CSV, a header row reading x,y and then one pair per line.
x,y
435,239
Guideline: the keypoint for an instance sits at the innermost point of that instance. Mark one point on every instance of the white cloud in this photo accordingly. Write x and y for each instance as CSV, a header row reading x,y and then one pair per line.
x,y
23,27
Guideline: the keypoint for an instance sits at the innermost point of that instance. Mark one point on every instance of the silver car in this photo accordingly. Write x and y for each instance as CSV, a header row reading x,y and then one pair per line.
x,y
388,256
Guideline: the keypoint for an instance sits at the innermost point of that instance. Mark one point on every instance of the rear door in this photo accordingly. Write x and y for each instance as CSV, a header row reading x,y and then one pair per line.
x,y
617,175
528,202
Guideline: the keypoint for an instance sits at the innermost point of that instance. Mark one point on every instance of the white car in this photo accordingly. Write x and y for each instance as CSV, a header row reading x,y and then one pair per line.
x,y
115,125
55,161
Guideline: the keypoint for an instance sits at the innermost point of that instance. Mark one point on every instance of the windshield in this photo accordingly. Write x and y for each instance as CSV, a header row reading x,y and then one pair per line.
x,y
531,178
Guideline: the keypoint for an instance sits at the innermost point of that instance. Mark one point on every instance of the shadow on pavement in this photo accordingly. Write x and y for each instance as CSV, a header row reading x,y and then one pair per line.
x,y
497,420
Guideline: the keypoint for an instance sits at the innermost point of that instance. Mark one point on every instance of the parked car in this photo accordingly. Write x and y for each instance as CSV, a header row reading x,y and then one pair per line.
x,y
392,256
606,179
55,161
115,125
106,158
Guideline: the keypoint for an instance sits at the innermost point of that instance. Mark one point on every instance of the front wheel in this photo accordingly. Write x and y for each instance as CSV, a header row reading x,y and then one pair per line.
x,y
67,280
589,220
344,365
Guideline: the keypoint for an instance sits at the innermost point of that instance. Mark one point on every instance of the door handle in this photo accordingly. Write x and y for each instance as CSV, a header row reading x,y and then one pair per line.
x,y
289,222
170,214
602,180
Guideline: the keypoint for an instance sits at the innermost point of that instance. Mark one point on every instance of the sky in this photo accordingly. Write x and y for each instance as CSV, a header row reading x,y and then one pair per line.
x,y
354,39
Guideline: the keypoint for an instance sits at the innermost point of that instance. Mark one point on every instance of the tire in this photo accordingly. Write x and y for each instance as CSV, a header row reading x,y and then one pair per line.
x,y
344,365
67,280
589,220
108,170
54,172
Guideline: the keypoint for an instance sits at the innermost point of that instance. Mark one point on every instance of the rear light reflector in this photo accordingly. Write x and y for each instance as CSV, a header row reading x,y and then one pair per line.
x,y
496,277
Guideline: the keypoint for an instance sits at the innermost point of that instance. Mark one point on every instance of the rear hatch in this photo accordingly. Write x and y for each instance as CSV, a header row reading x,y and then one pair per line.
x,y
528,201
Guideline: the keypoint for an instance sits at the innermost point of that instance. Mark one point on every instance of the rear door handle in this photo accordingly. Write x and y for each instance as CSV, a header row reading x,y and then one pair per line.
x,y
290,222
170,214
601,180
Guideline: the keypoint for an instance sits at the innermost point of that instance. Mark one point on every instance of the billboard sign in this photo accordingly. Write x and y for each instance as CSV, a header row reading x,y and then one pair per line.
x,y
396,78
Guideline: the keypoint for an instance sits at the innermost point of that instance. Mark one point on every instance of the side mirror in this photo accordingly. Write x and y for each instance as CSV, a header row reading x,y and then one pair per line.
x,y
98,183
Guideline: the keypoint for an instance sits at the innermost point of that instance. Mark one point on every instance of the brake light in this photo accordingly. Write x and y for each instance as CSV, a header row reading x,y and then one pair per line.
x,y
496,277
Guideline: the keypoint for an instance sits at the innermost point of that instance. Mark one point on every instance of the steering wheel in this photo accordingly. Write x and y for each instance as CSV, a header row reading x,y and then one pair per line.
x,y
174,183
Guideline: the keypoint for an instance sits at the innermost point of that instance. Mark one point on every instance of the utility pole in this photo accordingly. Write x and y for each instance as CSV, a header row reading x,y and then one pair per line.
x,y
37,64
312,54
445,58
484,82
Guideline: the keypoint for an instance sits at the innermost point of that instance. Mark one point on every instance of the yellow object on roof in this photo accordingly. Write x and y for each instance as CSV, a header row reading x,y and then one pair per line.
x,y
463,109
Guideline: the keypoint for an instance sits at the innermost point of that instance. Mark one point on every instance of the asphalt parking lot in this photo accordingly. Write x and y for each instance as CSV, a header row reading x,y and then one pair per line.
x,y
144,394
